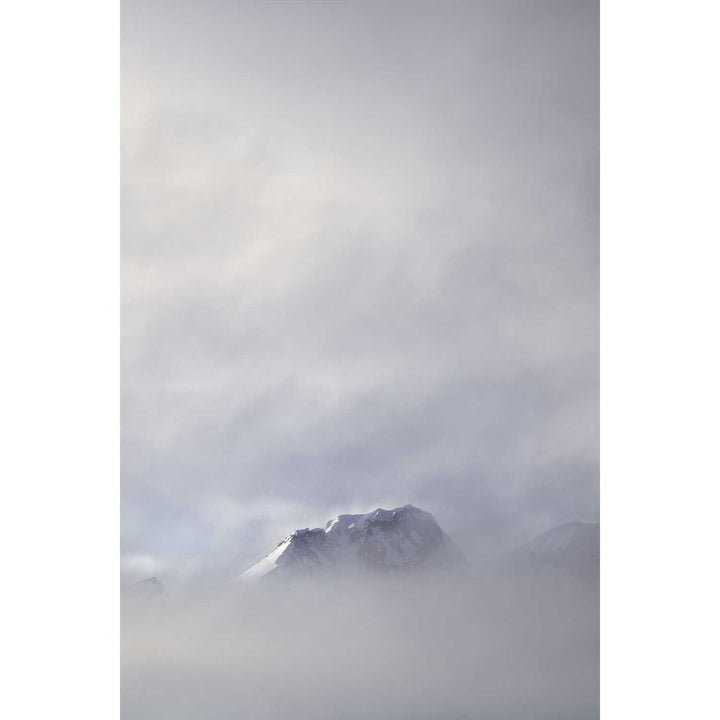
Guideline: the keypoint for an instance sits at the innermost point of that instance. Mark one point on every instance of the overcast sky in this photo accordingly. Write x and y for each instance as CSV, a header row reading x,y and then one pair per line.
x,y
359,269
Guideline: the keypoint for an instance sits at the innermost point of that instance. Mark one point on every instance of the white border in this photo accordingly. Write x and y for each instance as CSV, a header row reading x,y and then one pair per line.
x,y
59,290
659,358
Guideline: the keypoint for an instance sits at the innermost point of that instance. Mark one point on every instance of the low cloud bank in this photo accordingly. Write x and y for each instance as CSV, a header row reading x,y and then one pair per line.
x,y
422,648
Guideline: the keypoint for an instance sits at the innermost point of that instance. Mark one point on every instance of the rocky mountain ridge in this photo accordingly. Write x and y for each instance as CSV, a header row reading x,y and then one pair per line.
x,y
404,539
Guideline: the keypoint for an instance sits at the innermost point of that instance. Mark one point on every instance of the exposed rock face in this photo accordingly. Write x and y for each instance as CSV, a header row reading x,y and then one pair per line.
x,y
383,541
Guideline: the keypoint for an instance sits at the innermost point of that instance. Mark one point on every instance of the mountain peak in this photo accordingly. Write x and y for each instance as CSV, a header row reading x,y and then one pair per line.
x,y
148,587
572,547
381,541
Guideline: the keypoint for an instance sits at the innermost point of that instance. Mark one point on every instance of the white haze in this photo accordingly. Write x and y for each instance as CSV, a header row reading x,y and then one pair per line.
x,y
426,648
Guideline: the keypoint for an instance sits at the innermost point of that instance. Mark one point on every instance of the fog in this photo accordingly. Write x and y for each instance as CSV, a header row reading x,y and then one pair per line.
x,y
426,648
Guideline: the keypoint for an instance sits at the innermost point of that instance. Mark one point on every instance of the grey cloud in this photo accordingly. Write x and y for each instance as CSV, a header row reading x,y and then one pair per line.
x,y
360,263
422,650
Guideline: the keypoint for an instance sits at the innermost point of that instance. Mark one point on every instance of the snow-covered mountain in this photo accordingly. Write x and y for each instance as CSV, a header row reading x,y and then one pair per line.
x,y
573,547
382,541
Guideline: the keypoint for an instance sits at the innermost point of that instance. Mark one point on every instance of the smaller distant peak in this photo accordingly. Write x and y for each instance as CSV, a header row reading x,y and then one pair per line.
x,y
569,528
150,581
148,587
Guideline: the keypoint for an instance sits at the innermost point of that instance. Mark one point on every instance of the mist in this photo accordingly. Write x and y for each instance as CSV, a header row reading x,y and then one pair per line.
x,y
426,648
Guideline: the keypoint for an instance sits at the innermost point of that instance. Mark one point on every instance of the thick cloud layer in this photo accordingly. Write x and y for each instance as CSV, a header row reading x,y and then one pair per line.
x,y
360,268
412,650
